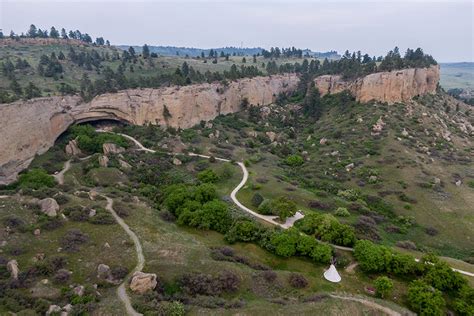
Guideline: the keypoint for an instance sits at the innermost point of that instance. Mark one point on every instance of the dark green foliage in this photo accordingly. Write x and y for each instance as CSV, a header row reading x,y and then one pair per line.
x,y
207,176
327,228
73,239
203,284
464,303
383,286
282,207
294,160
257,199
243,230
425,300
36,179
91,141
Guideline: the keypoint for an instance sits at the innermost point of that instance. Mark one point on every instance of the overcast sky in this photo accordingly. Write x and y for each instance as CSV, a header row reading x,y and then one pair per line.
x,y
443,29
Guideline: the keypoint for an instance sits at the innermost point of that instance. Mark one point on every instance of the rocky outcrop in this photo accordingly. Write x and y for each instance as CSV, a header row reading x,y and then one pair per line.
x,y
143,282
391,87
49,206
72,148
31,127
111,148
12,267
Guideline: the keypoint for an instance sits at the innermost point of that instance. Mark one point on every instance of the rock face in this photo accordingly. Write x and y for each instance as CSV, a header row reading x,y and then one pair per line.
x,y
31,127
72,149
49,206
111,148
12,267
391,87
143,282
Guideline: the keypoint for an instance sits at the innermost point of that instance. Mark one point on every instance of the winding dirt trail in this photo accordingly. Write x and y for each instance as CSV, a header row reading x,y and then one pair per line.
x,y
369,303
233,196
60,175
121,290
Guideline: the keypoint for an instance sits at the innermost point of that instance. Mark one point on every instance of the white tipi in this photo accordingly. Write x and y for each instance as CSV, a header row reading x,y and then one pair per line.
x,y
332,275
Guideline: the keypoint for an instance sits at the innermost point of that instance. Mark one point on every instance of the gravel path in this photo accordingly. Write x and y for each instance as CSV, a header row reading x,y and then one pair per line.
x,y
121,290
60,175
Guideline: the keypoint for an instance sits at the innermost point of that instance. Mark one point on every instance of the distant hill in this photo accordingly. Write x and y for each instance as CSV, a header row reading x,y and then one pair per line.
x,y
193,52
457,75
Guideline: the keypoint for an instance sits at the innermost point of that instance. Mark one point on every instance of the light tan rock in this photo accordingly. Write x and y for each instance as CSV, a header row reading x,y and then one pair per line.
x,y
12,267
103,271
176,162
103,161
72,148
49,206
323,141
271,135
391,87
53,309
111,148
124,165
143,282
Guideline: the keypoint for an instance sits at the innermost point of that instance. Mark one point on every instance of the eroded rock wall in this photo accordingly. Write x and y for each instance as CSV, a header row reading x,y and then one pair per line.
x,y
391,87
31,127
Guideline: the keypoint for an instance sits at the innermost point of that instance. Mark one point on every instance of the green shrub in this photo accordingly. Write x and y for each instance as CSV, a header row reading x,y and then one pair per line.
x,y
425,300
383,286
342,212
257,199
208,176
294,160
36,179
243,230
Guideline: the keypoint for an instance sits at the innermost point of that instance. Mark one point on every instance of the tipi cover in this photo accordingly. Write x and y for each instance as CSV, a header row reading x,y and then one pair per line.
x,y
332,275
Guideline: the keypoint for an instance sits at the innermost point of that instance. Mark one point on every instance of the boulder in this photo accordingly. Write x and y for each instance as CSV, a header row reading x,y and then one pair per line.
x,y
37,232
271,135
103,161
125,165
458,183
12,267
93,194
208,125
72,149
349,167
323,141
111,148
176,162
404,133
78,290
143,282
378,127
92,212
252,134
53,309
103,272
49,206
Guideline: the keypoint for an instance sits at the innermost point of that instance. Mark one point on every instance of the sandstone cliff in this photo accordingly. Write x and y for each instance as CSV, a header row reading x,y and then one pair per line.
x,y
391,87
31,127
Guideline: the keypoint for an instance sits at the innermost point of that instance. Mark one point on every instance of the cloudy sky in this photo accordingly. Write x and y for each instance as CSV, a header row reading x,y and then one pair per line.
x,y
442,28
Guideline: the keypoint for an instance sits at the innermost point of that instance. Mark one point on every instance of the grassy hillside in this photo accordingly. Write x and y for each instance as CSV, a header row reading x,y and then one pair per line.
x,y
457,75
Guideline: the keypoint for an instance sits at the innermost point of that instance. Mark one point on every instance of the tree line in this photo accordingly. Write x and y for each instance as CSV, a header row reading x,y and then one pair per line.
x,y
34,32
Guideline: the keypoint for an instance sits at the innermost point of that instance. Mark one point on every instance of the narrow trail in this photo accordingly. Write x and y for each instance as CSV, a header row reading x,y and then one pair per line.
x,y
369,303
121,290
233,196
60,175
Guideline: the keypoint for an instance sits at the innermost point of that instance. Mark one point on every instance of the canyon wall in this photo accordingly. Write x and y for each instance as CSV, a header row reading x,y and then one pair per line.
x,y
391,87
31,127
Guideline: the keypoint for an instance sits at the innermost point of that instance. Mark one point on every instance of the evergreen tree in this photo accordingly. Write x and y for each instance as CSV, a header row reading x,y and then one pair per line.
x,y
53,32
145,51
63,33
32,32
32,91
16,88
312,102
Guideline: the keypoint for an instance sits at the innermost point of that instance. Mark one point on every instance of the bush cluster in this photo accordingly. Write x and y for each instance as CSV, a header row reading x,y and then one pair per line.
x,y
327,228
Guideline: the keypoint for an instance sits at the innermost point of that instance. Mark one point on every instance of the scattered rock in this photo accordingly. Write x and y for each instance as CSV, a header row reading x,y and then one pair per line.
x,y
78,290
111,148
271,135
53,309
308,138
49,206
39,256
208,125
72,148
265,111
378,127
349,167
323,141
373,179
93,194
252,134
404,133
103,161
103,271
37,232
125,165
458,183
335,153
437,180
143,282
177,162
92,212
12,267
106,245
44,281
359,120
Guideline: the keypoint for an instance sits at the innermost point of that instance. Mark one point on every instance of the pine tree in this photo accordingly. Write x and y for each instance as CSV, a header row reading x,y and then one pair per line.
x,y
145,51
53,33
63,33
